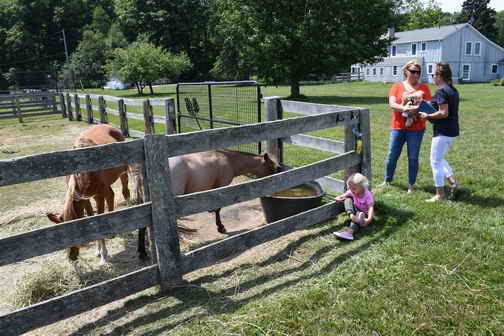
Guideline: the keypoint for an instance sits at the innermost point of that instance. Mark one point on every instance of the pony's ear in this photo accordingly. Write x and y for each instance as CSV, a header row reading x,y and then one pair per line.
x,y
267,158
54,218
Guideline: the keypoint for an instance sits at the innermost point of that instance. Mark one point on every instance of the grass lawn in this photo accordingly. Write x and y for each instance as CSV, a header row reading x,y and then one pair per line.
x,y
419,269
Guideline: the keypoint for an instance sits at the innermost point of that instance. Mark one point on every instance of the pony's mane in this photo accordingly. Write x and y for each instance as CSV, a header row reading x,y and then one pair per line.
x,y
237,152
83,142
68,208
275,163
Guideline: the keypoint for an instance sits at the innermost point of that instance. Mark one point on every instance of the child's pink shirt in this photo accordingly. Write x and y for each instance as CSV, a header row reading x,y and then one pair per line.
x,y
364,202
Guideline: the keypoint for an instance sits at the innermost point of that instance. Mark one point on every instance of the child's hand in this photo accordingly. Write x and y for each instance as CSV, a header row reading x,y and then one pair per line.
x,y
340,198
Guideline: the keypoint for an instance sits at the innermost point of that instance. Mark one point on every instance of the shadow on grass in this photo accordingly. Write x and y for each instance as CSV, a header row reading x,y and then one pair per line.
x,y
468,196
193,295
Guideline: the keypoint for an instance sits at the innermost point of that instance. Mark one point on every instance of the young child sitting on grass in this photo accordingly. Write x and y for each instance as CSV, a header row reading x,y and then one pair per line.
x,y
359,204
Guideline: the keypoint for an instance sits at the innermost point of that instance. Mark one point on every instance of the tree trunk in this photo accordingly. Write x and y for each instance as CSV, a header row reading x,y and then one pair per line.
x,y
295,89
150,87
137,84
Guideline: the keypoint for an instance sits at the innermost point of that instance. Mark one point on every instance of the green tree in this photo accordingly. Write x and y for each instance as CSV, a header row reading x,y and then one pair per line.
x,y
31,31
290,40
142,63
115,37
420,14
480,16
177,26
88,61
499,24
101,20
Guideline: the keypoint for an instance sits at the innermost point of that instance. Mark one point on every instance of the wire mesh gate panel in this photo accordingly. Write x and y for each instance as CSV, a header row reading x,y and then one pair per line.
x,y
207,105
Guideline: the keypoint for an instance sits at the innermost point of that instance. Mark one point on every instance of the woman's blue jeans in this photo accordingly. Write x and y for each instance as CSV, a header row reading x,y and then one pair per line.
x,y
413,139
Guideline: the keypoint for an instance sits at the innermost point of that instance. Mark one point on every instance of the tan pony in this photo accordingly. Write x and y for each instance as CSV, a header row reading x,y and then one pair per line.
x,y
81,187
202,171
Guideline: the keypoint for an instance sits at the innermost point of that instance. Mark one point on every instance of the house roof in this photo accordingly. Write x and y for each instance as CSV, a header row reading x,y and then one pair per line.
x,y
399,61
427,34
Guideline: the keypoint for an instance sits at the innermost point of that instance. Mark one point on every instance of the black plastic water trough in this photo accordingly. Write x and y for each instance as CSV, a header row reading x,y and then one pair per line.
x,y
279,207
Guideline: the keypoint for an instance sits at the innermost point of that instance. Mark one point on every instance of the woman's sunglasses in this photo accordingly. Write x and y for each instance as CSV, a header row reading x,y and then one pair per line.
x,y
414,71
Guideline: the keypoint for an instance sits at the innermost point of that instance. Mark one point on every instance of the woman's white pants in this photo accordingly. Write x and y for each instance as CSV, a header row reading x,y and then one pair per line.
x,y
440,167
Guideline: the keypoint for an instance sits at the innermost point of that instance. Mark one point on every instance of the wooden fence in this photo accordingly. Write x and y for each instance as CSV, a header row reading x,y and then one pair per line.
x,y
78,105
163,209
21,106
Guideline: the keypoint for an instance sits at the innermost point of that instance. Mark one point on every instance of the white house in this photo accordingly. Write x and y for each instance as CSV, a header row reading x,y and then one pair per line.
x,y
472,56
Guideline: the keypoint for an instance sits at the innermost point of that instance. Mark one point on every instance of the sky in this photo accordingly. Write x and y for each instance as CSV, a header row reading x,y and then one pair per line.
x,y
456,5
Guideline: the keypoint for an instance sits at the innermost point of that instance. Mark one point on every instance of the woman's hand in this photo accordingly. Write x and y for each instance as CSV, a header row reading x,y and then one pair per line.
x,y
423,115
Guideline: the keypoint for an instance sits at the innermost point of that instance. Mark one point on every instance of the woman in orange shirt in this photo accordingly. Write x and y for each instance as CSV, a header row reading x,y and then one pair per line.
x,y
404,131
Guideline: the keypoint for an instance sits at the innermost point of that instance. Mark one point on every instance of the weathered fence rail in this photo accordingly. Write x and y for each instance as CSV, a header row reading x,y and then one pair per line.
x,y
19,106
163,209
81,102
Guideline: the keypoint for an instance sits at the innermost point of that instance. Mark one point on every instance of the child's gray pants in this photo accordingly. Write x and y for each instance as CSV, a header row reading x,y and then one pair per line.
x,y
351,209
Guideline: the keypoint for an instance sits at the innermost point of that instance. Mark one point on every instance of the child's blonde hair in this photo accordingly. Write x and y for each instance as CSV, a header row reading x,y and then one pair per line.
x,y
358,179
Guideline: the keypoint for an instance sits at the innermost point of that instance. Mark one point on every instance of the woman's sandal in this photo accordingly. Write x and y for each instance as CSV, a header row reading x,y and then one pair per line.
x,y
435,198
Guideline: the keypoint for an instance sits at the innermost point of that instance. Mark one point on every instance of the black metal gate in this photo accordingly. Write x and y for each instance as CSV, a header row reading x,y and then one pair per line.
x,y
207,105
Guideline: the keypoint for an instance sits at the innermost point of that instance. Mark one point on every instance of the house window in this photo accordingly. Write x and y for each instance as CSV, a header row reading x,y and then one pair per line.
x,y
424,46
374,71
477,48
394,50
394,70
413,49
494,68
367,71
468,48
430,69
381,71
466,72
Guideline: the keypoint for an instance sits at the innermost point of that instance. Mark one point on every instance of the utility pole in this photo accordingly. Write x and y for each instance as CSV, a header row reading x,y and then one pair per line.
x,y
65,44
67,59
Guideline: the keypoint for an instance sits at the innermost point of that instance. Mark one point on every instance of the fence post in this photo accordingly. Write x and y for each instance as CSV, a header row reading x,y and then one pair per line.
x,y
63,106
54,103
89,110
69,107
164,220
17,109
365,128
123,118
78,114
103,110
350,142
148,117
274,112
171,123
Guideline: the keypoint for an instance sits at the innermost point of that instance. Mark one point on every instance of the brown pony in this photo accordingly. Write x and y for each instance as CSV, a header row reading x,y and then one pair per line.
x,y
82,186
208,170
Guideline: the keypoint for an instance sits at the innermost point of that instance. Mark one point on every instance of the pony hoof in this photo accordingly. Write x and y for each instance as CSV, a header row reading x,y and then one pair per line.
x,y
222,230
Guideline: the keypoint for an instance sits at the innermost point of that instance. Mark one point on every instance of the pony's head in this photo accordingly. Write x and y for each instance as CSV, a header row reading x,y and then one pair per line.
x,y
73,209
267,166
